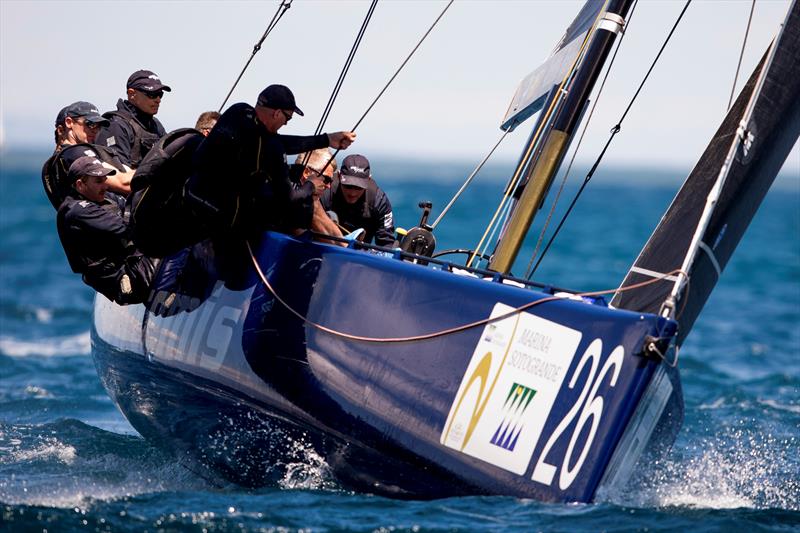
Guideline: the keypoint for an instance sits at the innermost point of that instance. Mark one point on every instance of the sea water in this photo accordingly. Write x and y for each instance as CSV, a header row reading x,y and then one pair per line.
x,y
69,461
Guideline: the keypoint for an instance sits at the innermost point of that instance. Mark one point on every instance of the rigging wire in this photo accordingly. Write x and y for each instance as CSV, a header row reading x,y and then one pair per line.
x,y
741,54
282,8
528,272
443,332
400,68
616,129
403,64
468,181
337,87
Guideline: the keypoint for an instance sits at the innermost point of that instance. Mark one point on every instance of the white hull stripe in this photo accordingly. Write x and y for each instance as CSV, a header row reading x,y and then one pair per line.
x,y
712,257
653,273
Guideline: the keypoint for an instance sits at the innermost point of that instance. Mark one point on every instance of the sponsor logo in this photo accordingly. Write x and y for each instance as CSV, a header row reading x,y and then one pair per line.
x,y
509,388
517,401
154,77
111,141
201,335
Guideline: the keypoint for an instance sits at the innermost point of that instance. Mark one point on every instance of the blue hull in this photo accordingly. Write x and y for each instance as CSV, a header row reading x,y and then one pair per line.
x,y
554,403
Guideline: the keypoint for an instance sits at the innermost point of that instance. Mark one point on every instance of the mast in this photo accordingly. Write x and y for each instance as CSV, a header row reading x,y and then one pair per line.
x,y
716,203
556,142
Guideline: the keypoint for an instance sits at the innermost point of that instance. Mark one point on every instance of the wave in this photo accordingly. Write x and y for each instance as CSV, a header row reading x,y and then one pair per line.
x,y
736,469
69,464
78,344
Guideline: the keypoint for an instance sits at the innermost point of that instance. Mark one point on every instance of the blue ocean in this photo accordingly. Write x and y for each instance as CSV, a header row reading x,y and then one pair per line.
x,y
69,461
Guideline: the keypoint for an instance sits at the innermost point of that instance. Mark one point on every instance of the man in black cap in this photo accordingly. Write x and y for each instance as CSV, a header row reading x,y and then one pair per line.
x,y
240,177
75,130
134,129
360,203
96,238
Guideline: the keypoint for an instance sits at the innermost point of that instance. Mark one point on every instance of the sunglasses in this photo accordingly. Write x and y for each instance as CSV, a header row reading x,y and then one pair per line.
x,y
153,94
325,179
286,114
88,125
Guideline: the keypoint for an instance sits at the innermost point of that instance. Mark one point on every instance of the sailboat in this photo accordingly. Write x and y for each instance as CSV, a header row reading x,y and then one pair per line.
x,y
467,380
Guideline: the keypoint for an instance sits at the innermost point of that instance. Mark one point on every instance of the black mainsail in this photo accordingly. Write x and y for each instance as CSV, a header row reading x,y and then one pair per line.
x,y
716,203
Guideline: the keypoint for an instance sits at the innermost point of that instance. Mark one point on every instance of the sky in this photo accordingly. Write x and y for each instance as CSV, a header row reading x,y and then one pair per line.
x,y
446,104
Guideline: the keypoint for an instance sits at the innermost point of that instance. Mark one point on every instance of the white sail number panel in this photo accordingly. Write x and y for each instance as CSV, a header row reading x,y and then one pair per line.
x,y
509,388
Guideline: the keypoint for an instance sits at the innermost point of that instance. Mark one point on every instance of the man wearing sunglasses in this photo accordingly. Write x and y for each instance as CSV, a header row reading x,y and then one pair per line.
x,y
240,177
76,127
319,169
134,129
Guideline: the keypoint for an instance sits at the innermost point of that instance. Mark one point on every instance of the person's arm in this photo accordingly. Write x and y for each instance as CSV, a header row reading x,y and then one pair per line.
x,y
322,223
384,219
297,144
120,182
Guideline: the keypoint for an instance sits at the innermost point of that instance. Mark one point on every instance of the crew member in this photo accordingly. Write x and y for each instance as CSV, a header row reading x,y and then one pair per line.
x,y
206,121
319,168
96,238
360,203
134,129
75,130
240,177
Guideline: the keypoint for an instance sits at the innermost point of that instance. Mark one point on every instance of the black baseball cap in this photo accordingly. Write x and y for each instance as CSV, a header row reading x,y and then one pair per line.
x,y
278,97
355,171
81,109
146,80
88,166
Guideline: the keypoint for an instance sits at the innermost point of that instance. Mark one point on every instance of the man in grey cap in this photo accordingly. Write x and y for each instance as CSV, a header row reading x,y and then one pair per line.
x,y
96,238
359,202
240,177
75,130
134,129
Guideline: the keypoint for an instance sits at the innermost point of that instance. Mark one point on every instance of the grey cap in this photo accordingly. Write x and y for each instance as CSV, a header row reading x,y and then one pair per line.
x,y
88,166
81,109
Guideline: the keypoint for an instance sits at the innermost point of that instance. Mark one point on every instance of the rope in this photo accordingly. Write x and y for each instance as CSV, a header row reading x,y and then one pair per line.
x,y
441,333
741,54
616,129
468,181
282,8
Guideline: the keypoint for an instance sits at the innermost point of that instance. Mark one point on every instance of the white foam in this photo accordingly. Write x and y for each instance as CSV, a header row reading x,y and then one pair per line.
x,y
79,344
50,449
781,406
309,471
83,481
735,470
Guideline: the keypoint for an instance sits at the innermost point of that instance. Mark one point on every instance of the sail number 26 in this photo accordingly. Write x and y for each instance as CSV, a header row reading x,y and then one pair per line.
x,y
590,406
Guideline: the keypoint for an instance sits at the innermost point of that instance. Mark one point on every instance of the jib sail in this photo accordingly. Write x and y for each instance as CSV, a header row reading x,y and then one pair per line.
x,y
707,218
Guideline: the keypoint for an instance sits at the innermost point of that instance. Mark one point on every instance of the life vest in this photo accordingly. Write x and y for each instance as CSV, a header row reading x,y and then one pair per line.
x,y
55,171
161,222
143,140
